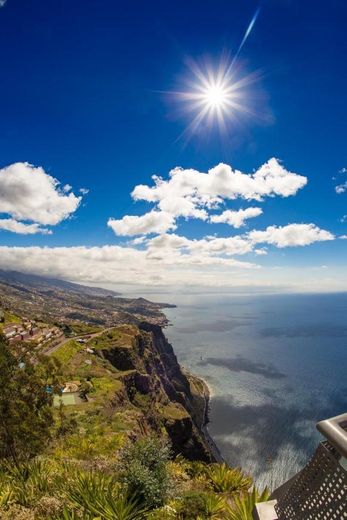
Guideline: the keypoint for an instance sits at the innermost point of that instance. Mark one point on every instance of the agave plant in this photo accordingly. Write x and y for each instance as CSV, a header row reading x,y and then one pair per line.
x,y
100,497
228,480
119,508
28,481
215,507
6,495
242,507
66,515
197,468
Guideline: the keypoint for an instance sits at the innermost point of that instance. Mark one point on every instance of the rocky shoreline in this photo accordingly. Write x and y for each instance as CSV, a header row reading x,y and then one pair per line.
x,y
206,394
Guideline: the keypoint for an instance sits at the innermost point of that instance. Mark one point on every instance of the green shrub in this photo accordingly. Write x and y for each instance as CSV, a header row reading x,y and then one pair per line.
x,y
195,505
144,470
192,505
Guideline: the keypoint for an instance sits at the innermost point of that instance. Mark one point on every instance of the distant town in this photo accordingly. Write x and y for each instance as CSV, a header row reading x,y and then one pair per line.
x,y
30,331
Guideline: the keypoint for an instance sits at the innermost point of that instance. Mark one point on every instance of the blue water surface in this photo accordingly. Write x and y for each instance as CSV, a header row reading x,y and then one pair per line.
x,y
275,365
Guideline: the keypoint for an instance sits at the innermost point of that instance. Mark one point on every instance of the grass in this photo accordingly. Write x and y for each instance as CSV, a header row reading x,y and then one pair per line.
x,y
8,319
66,399
106,387
67,351
174,412
79,328
119,336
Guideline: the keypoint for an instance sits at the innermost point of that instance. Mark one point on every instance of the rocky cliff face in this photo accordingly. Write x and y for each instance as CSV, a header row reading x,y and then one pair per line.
x,y
154,382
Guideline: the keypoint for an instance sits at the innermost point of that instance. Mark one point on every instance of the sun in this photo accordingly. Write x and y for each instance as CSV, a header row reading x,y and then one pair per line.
x,y
216,96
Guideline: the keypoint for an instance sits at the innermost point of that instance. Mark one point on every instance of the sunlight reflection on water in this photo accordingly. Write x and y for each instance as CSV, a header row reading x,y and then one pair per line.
x,y
276,365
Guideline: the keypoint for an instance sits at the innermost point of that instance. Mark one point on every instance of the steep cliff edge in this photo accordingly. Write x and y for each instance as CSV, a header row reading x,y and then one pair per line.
x,y
153,382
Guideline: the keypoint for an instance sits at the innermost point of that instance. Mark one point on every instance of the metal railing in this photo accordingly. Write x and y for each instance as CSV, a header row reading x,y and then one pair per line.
x,y
319,492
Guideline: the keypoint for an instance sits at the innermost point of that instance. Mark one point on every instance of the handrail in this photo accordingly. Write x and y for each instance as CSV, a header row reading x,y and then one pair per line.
x,y
335,431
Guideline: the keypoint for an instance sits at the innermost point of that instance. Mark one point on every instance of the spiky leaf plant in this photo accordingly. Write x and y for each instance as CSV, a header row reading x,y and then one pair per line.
x,y
215,506
242,507
228,480
98,496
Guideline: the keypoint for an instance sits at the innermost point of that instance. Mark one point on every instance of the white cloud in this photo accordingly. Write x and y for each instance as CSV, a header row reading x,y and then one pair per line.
x,y
125,267
9,224
120,265
236,218
287,236
189,193
31,195
2,3
290,235
28,193
341,188
343,237
206,247
152,222
84,191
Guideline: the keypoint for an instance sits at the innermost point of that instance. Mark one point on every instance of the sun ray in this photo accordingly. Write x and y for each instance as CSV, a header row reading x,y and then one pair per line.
x,y
214,95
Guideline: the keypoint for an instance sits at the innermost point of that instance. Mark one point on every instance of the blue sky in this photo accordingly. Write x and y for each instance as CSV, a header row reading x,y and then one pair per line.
x,y
85,95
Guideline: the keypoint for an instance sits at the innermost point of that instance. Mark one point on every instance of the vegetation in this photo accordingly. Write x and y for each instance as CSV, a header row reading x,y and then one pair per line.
x,y
25,404
143,470
120,336
79,328
7,318
45,490
228,480
100,460
67,351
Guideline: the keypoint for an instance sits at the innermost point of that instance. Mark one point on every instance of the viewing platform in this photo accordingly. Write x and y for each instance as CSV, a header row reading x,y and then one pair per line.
x,y
319,490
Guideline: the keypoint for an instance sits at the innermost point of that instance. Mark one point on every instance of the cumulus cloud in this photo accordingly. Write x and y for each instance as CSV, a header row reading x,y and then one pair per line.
x,y
290,235
9,224
120,265
152,222
28,193
31,199
189,193
287,236
341,188
167,260
238,218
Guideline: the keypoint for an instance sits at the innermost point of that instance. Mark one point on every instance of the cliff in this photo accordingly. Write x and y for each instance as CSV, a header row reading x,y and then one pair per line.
x,y
153,382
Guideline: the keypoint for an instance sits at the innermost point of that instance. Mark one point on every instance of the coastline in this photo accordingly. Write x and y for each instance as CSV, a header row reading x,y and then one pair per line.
x,y
205,394
204,427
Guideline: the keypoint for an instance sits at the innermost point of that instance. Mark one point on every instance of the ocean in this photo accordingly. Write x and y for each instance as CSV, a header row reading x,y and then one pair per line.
x,y
275,364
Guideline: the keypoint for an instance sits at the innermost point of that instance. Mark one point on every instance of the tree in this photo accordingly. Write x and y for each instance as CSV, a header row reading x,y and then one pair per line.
x,y
27,382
